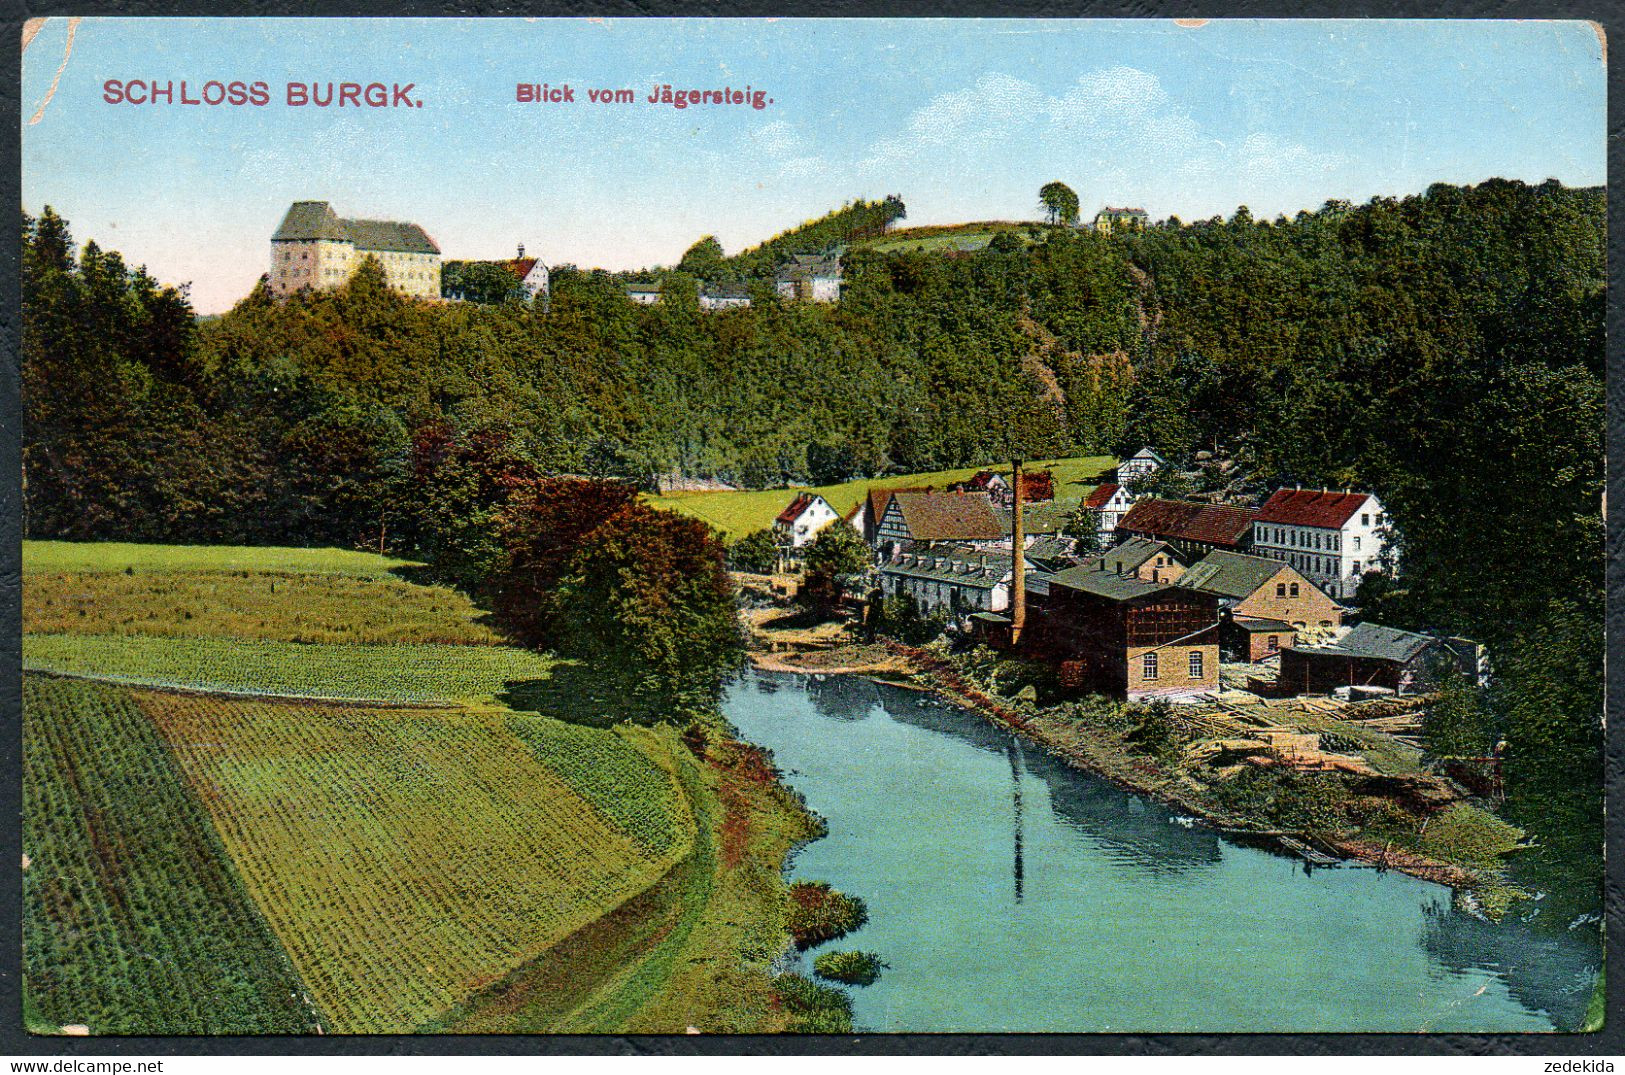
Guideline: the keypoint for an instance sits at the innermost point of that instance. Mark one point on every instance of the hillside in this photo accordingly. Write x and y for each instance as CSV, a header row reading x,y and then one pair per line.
x,y
376,862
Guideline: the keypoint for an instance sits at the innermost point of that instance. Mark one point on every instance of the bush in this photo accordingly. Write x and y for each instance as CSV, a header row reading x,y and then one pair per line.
x,y
819,913
755,553
853,968
1155,732
1473,837
1316,803
899,617
813,1008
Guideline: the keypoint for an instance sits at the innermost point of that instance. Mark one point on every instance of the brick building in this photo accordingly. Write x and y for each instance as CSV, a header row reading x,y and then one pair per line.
x,y
1261,600
1192,528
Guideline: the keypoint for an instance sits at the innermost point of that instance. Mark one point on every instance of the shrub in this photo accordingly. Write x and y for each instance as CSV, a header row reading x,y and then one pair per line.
x,y
1465,834
819,913
1299,802
853,968
813,1008
754,552
1155,732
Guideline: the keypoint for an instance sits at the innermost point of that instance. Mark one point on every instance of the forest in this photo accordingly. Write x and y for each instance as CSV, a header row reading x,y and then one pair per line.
x,y
1444,350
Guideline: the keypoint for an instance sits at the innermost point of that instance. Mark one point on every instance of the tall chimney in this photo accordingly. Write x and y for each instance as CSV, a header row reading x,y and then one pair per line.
x,y
1018,586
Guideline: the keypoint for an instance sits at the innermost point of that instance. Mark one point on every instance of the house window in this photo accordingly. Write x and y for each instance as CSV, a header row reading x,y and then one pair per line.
x,y
1365,518
1148,666
1196,664
1356,544
1356,571
1294,589
1274,643
1280,589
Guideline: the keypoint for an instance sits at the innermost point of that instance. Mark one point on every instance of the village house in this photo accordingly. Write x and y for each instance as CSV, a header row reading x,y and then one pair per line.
x,y
1192,528
1110,502
723,296
1113,219
954,581
1332,538
316,249
1369,655
865,516
1142,558
530,273
1265,604
913,518
1036,486
1118,634
801,520
1142,464
642,292
810,278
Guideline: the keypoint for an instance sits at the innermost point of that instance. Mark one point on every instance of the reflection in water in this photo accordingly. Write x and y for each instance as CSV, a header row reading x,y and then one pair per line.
x,y
1015,796
1543,965
1010,892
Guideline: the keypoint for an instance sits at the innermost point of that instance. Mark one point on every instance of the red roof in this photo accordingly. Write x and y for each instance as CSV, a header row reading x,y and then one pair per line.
x,y
1102,495
1311,507
1208,524
520,267
800,504
880,497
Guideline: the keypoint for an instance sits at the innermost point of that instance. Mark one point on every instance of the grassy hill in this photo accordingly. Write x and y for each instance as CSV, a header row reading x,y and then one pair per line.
x,y
941,238
740,512
256,862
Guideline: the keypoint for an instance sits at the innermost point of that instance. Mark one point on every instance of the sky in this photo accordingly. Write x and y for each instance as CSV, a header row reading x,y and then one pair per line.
x,y
965,119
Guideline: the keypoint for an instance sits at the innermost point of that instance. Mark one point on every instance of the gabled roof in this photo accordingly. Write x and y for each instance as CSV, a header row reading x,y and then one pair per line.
x,y
1230,574
1374,641
1051,550
520,267
390,235
797,507
1209,524
1039,517
306,221
1311,507
310,220
1107,584
1130,555
1147,453
948,516
879,496
1101,496
804,266
1258,625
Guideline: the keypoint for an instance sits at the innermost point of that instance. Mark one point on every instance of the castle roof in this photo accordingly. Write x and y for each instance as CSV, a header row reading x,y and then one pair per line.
x,y
307,221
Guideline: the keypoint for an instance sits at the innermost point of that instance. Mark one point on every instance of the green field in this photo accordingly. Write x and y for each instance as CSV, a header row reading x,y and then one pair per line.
x,y
944,237
741,512
278,606
307,856
136,919
405,673
66,556
405,857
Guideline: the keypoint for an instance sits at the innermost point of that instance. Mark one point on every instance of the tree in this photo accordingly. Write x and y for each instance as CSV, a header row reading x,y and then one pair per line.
x,y
756,552
705,260
1457,724
1059,201
839,550
1084,530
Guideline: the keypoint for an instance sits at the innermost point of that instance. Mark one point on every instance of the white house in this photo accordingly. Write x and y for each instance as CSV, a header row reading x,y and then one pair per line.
x,y
802,519
643,294
1142,464
1332,538
810,278
723,297
1111,501
532,273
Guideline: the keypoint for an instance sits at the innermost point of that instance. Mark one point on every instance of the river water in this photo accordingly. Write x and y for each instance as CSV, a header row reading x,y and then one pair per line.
x,y
1010,892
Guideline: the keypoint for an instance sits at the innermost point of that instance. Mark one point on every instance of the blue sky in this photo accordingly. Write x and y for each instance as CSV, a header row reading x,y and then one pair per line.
x,y
964,119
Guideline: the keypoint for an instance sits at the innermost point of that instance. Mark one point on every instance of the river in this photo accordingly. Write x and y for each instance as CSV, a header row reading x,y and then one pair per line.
x,y
1010,892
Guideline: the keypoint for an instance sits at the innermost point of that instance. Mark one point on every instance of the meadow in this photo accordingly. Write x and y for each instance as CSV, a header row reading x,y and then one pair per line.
x,y
737,513
281,799
945,238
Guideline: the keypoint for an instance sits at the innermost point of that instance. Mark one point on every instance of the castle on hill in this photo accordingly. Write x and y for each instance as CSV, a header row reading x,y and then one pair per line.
x,y
316,248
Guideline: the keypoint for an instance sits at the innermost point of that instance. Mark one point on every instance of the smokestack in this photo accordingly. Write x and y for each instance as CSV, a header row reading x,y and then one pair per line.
x,y
1018,588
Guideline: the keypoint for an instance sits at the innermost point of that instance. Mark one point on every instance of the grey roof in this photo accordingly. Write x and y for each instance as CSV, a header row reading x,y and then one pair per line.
x,y
1260,625
1375,641
1107,584
390,235
1230,574
306,221
805,266
1049,549
1041,516
962,567
1127,557
310,220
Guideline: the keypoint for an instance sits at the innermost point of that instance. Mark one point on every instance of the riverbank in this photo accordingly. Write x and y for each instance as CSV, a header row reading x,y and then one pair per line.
x,y
1100,747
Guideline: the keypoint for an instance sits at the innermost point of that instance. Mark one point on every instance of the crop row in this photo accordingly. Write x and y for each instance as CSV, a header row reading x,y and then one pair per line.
x,y
405,673
612,774
134,920
406,858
